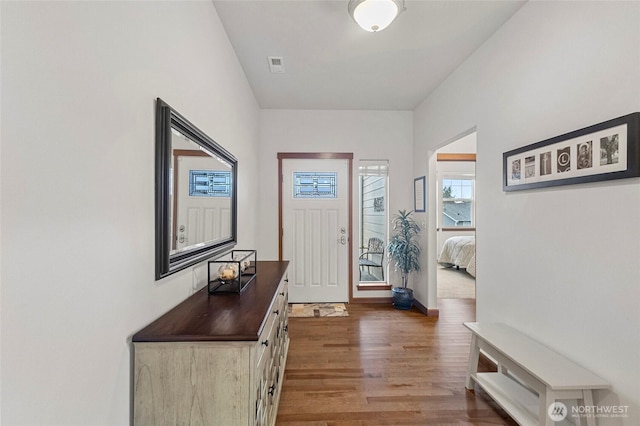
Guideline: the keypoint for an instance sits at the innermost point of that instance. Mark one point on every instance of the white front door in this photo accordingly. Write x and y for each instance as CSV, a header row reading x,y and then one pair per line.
x,y
315,232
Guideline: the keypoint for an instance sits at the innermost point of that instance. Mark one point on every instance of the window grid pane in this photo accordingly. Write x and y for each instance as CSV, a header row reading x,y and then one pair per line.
x,y
457,202
315,185
209,183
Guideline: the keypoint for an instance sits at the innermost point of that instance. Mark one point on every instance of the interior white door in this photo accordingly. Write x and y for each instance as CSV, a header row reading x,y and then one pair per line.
x,y
315,234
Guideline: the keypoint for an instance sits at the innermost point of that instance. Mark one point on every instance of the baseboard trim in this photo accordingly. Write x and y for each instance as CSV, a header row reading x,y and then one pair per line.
x,y
379,300
427,311
388,300
421,307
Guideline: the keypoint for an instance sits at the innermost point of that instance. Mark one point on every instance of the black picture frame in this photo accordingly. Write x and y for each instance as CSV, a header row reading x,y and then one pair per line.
x,y
604,151
419,195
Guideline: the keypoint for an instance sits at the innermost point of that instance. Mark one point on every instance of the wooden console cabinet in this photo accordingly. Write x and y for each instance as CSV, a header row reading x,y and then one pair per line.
x,y
215,359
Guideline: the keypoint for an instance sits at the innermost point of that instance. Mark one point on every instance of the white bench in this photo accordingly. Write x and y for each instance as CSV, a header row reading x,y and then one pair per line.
x,y
530,376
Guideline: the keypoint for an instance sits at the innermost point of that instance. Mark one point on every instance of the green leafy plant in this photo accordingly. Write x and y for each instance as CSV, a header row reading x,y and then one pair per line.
x,y
403,248
447,192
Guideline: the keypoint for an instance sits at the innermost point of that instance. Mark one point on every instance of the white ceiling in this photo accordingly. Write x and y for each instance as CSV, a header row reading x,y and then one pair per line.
x,y
331,63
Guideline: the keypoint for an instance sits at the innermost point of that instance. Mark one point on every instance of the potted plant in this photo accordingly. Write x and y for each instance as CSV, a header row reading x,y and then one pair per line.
x,y
404,252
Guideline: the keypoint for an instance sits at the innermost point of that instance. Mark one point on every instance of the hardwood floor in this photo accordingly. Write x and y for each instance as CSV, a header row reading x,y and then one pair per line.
x,y
381,366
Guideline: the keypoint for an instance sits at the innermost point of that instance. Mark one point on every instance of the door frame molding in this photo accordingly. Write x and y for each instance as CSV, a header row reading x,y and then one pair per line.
x,y
321,156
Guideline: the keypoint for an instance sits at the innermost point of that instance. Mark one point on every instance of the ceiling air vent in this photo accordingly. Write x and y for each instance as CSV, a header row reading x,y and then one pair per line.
x,y
276,65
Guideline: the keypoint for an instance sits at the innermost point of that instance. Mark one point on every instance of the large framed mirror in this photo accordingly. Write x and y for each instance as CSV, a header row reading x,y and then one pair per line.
x,y
196,202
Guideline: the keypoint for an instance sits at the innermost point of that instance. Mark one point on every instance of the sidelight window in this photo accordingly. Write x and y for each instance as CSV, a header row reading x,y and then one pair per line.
x,y
373,178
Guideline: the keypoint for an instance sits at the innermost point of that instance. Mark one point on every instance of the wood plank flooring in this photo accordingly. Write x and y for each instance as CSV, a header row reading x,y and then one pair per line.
x,y
382,366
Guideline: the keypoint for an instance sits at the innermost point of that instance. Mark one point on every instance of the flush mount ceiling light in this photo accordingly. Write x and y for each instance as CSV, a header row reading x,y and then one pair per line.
x,y
375,15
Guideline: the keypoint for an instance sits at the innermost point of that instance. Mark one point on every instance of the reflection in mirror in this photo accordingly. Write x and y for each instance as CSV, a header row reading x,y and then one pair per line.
x,y
200,195
195,194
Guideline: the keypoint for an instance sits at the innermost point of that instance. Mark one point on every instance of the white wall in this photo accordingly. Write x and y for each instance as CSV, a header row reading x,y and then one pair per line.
x,y
369,135
79,83
464,145
559,264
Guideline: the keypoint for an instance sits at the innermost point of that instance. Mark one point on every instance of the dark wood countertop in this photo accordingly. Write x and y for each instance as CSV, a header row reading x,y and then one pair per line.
x,y
219,317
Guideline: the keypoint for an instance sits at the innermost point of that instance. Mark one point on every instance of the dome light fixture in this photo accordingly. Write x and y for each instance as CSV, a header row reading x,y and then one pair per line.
x,y
375,15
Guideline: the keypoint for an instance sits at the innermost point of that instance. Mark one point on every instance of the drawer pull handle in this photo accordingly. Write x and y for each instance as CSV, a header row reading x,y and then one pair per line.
x,y
286,328
265,342
282,294
276,311
286,280
272,390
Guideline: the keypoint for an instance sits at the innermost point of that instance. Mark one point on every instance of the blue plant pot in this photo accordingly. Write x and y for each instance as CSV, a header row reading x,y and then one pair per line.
x,y
402,298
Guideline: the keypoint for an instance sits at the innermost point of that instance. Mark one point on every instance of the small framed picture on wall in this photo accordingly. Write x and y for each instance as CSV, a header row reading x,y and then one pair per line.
x,y
419,202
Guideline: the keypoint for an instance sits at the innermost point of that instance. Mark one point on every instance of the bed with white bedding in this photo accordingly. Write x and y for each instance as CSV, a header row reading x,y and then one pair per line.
x,y
459,252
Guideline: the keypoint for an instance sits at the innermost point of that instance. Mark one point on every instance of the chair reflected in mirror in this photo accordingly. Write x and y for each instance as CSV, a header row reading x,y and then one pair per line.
x,y
372,258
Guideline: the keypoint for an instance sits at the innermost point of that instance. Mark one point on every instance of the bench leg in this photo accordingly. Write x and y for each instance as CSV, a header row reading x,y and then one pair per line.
x,y
472,367
545,401
587,401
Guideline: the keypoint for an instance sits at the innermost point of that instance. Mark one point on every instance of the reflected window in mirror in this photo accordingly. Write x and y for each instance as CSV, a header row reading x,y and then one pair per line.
x,y
195,194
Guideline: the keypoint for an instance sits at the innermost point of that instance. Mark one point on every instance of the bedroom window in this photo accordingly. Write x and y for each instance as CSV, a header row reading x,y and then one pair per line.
x,y
457,205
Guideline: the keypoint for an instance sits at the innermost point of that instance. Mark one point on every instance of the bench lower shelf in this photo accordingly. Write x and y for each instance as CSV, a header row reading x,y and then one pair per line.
x,y
518,401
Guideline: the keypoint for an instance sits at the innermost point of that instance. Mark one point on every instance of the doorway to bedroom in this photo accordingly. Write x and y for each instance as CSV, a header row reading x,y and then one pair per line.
x,y
456,224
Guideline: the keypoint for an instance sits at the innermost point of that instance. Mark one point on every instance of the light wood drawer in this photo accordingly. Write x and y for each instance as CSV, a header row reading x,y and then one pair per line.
x,y
266,339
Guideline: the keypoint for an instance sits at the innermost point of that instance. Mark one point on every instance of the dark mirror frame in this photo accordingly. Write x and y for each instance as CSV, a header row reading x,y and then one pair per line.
x,y
167,263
